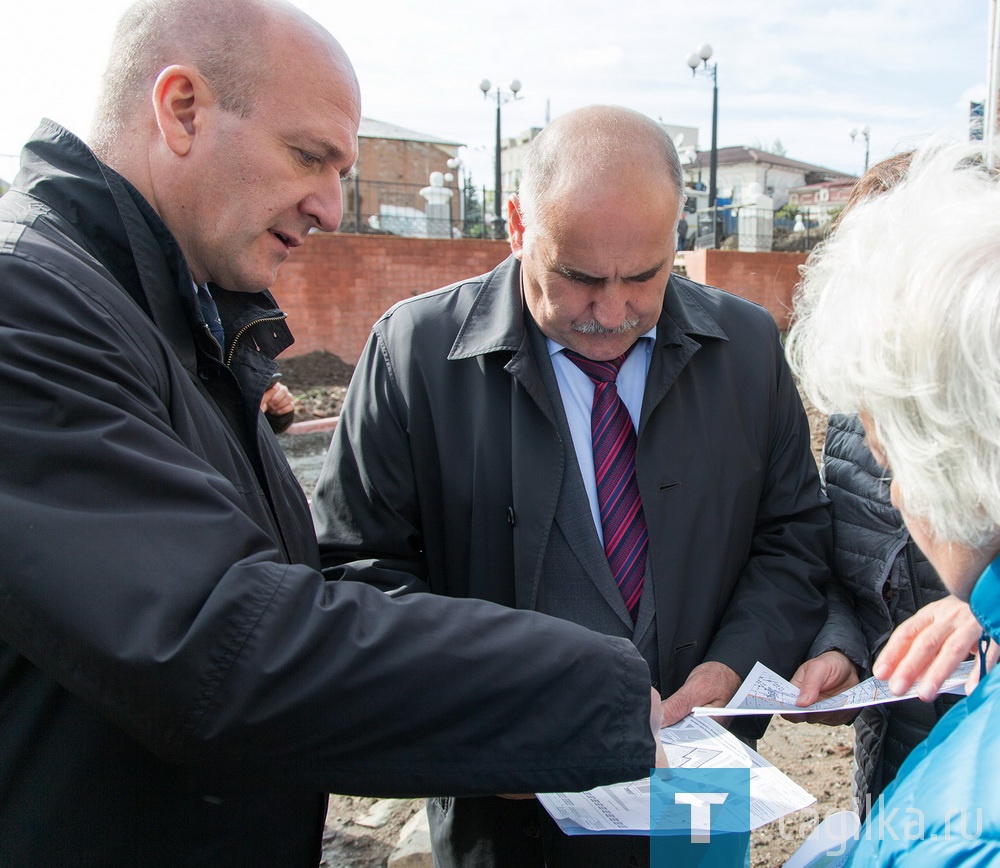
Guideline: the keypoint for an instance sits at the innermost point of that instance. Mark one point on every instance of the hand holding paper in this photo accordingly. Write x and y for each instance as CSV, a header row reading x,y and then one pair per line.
x,y
766,692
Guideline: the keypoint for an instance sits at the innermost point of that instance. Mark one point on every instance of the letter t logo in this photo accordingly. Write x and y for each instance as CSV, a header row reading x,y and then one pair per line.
x,y
701,813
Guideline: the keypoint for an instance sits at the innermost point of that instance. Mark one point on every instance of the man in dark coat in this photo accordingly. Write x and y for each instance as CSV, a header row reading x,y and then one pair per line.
x,y
179,684
465,453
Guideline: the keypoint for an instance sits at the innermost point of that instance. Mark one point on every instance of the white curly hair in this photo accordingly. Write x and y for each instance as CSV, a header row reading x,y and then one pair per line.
x,y
898,318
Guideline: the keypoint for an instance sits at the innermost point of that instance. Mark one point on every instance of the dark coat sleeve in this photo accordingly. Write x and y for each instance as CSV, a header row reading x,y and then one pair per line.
x,y
132,575
778,604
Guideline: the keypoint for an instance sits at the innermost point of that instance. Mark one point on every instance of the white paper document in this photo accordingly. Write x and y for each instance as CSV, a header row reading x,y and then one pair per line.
x,y
623,809
766,692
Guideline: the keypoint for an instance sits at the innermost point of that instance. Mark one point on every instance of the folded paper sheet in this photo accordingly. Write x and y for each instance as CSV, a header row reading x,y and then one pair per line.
x,y
623,809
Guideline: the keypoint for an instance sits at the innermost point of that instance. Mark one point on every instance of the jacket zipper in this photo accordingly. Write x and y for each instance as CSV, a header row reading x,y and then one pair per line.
x,y
247,327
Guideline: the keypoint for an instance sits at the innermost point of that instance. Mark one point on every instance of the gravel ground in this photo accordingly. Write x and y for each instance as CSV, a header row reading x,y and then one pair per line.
x,y
816,757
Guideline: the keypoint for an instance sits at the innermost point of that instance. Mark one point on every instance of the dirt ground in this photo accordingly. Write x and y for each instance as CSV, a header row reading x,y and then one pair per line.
x,y
816,757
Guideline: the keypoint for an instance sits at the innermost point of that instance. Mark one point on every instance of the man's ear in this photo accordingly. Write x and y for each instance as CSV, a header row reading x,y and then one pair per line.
x,y
516,226
180,95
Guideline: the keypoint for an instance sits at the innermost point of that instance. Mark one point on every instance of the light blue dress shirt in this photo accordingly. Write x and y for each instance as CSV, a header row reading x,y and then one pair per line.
x,y
577,392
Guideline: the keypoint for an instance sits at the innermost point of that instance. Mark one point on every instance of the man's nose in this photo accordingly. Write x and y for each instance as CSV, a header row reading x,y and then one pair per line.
x,y
611,305
325,205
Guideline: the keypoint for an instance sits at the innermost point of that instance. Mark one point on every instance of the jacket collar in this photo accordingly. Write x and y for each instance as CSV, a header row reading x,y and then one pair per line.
x,y
495,321
104,214
985,599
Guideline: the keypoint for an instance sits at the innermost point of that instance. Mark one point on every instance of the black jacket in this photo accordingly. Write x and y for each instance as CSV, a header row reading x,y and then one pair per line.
x,y
178,683
447,455
880,578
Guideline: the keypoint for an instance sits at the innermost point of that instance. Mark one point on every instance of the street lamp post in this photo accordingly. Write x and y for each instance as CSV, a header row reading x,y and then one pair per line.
x,y
697,59
502,97
866,132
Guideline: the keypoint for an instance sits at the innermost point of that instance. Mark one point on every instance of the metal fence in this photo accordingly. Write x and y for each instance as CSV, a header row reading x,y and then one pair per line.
x,y
734,232
395,208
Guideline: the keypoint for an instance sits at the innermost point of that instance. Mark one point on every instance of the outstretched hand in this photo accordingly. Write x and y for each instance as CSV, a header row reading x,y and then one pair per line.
x,y
928,646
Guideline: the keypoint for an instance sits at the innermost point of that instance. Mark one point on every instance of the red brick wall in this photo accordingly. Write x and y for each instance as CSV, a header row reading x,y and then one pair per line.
x,y
403,161
766,278
334,287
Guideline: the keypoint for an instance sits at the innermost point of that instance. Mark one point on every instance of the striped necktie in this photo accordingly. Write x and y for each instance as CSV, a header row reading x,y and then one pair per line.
x,y
614,442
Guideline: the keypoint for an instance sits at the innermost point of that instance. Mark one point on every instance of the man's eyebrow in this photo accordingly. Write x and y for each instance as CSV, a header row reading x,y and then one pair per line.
x,y
573,274
648,274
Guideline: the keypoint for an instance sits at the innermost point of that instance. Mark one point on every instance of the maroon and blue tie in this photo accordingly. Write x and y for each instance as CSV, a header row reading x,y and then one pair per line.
x,y
614,440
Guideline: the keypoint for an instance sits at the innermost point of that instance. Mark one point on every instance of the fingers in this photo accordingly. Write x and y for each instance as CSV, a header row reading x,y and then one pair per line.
x,y
928,647
265,398
810,678
655,713
826,675
280,400
709,683
899,643
676,707
655,724
830,673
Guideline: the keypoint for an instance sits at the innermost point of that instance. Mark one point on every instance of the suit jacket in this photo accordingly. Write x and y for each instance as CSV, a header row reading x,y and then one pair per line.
x,y
448,463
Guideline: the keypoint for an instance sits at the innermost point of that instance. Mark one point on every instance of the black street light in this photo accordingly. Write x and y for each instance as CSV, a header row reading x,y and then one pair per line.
x,y
696,59
866,132
502,97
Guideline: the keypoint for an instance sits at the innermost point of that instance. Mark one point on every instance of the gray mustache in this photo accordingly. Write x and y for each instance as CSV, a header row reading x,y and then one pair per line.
x,y
593,327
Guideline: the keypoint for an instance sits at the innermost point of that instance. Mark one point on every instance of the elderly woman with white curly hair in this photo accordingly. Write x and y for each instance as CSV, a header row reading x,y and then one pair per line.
x,y
898,320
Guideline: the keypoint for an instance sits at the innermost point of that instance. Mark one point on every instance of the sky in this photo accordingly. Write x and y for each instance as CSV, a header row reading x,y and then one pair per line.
x,y
802,72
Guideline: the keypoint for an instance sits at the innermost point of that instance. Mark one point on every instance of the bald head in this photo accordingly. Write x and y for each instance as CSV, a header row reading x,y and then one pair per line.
x,y
594,147
230,42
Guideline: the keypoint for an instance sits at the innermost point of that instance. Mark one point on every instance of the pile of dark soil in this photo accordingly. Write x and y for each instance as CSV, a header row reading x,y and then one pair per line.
x,y
317,381
315,370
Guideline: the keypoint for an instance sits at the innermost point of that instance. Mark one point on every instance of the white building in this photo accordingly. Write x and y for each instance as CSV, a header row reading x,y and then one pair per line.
x,y
739,167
